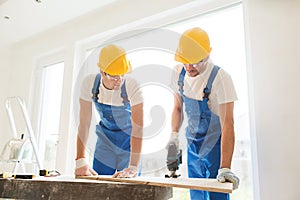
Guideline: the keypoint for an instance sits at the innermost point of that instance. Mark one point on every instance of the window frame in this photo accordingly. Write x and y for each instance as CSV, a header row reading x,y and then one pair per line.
x,y
168,18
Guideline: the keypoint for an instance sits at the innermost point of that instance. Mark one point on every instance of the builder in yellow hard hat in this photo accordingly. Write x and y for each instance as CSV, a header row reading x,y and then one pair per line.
x,y
119,102
208,94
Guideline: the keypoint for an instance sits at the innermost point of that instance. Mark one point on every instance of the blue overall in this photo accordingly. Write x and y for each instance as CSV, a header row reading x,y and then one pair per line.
x,y
112,151
203,134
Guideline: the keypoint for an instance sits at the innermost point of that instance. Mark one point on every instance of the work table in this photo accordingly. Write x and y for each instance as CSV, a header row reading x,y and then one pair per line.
x,y
70,188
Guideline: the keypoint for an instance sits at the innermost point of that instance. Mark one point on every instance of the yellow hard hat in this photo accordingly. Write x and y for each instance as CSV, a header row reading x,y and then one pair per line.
x,y
193,46
113,61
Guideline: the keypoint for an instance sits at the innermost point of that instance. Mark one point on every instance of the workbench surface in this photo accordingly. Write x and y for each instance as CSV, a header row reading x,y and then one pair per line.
x,y
70,188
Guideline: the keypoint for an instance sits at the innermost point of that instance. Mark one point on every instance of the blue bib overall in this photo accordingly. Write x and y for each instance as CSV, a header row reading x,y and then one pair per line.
x,y
203,135
112,151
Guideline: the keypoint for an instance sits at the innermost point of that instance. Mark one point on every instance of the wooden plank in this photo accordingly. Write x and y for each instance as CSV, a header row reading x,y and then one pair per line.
x,y
211,185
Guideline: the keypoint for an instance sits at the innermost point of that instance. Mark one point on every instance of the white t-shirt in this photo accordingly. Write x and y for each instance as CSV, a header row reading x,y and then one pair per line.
x,y
222,91
111,97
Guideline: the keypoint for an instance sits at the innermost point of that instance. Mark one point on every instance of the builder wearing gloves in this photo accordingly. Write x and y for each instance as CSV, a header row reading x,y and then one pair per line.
x,y
208,95
119,102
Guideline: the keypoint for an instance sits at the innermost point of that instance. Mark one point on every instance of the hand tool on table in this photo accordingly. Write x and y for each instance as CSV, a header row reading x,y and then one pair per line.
x,y
16,176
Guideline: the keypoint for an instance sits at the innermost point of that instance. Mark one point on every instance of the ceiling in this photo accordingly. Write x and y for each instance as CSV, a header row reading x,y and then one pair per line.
x,y
20,19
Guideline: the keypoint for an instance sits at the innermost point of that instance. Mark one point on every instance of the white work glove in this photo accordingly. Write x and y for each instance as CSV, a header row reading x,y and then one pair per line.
x,y
83,169
130,172
225,175
173,139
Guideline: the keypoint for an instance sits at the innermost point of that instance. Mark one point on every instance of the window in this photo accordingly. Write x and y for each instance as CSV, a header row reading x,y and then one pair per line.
x,y
226,31
50,108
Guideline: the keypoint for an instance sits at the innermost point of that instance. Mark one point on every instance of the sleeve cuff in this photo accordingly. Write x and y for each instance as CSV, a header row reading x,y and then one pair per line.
x,y
81,162
222,170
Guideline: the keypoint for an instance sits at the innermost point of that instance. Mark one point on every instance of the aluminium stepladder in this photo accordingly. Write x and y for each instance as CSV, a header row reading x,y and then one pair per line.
x,y
18,147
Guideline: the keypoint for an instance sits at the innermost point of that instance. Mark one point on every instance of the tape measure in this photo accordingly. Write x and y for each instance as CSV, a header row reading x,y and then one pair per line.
x,y
46,173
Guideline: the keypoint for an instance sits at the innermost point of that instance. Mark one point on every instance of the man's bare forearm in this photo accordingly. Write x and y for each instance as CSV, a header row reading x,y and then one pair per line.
x,y
177,114
136,134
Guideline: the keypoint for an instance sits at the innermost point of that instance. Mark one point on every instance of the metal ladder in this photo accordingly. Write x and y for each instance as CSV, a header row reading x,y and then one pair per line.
x,y
17,147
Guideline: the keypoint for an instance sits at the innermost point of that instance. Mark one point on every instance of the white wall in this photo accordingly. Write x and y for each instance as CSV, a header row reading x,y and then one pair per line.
x,y
5,74
272,30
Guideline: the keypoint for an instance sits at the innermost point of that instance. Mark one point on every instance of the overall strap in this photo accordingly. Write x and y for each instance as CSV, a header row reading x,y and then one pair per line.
x,y
181,81
124,93
211,79
95,90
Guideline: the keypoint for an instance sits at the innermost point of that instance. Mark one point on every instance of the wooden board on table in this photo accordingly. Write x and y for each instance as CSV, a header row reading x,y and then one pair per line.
x,y
211,185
